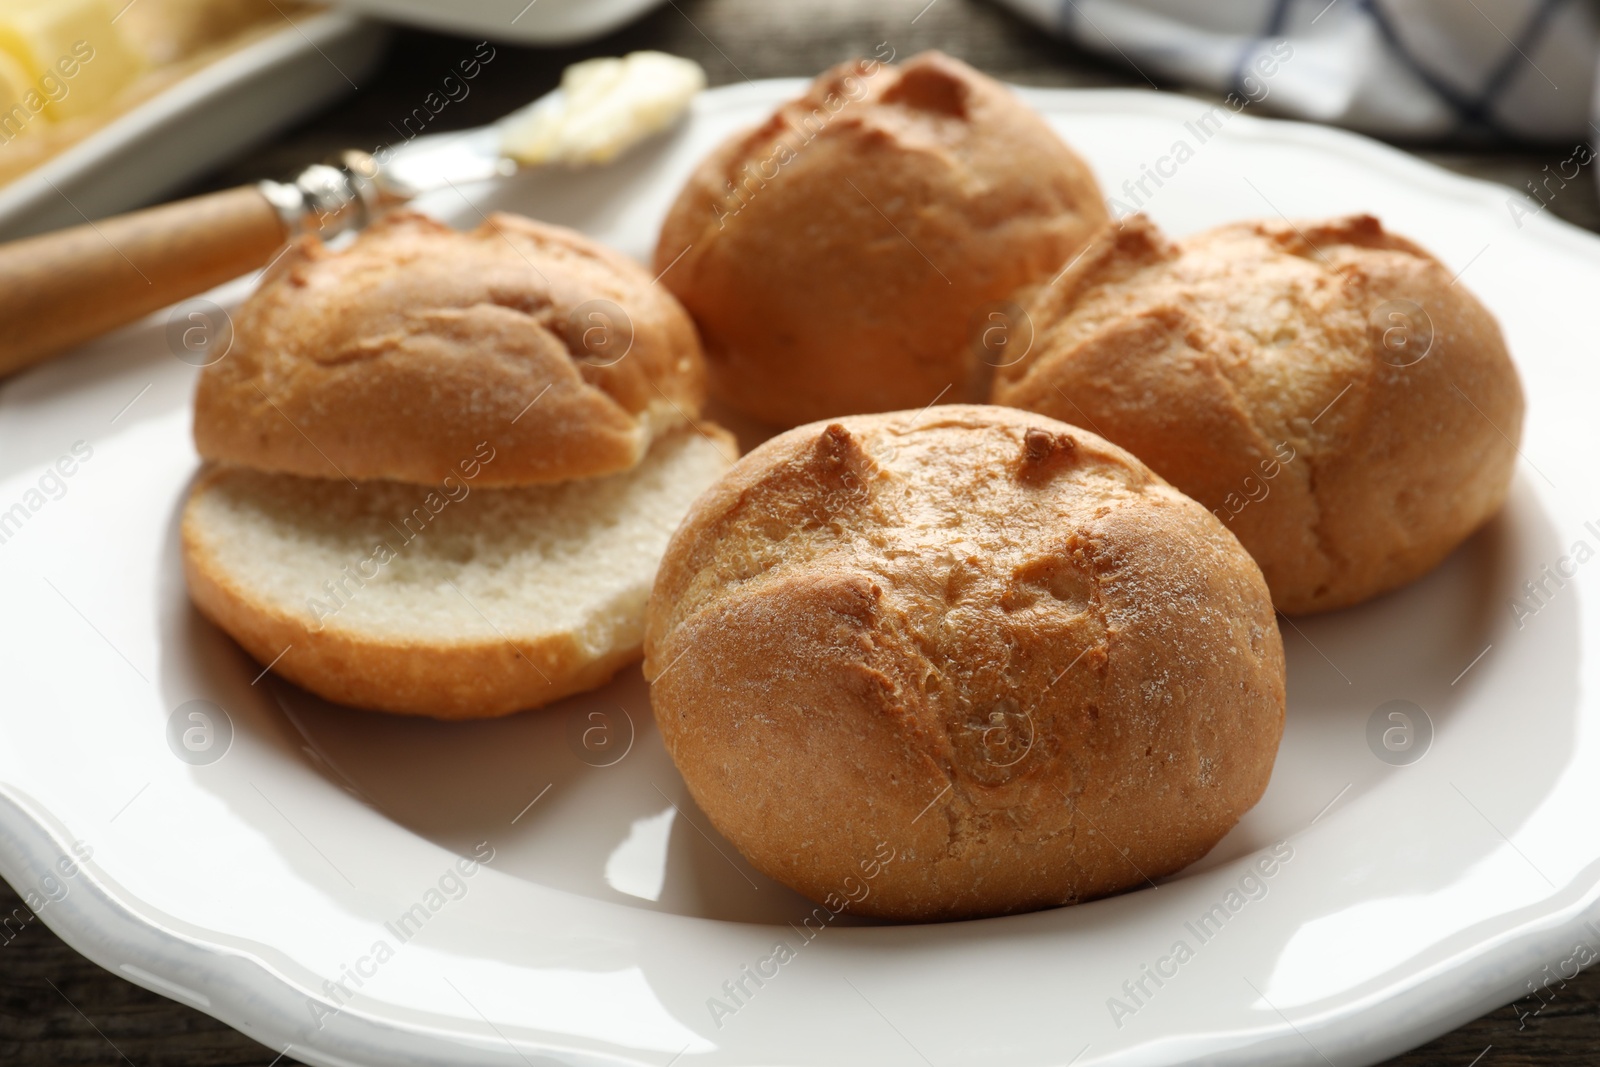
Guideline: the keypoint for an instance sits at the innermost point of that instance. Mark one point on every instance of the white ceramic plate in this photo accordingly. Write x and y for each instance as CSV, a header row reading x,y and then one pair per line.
x,y
610,918
239,100
546,22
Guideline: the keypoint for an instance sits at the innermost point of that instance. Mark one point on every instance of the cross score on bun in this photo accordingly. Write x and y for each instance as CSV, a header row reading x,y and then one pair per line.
x,y
1327,389
979,640
842,256
395,357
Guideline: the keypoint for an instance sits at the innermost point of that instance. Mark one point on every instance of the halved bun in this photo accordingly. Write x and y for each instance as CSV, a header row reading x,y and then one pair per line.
x,y
394,357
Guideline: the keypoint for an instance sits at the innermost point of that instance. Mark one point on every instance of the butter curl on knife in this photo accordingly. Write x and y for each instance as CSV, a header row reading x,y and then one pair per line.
x,y
604,106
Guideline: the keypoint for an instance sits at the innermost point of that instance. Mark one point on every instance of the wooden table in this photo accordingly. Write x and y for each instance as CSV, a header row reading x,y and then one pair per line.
x,y
58,1009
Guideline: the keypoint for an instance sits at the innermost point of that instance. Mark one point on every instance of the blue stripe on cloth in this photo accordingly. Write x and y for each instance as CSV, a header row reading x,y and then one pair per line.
x,y
1489,103
1274,28
1527,39
1470,112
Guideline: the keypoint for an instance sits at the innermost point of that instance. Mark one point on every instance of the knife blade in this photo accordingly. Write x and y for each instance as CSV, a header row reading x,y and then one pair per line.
x,y
61,289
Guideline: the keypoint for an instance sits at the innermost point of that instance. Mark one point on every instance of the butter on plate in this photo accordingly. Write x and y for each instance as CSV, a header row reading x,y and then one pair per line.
x,y
604,106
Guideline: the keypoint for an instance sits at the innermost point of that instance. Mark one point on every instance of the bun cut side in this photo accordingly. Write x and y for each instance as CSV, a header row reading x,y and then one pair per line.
x,y
456,601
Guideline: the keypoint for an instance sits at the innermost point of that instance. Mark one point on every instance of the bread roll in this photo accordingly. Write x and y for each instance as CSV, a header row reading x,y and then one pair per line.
x,y
396,356
981,642
1327,389
844,255
455,601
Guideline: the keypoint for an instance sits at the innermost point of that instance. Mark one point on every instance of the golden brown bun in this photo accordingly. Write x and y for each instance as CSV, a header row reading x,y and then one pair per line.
x,y
1261,367
393,358
455,601
842,258
982,640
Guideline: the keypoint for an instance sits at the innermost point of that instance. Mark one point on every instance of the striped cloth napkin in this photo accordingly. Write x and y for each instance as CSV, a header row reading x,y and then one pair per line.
x,y
1420,70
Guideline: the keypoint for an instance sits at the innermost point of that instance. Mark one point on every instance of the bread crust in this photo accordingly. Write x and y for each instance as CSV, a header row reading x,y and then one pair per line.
x,y
980,640
1261,368
394,357
841,257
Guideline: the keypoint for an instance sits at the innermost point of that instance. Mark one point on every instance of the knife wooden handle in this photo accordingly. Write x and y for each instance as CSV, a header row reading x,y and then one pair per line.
x,y
60,289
